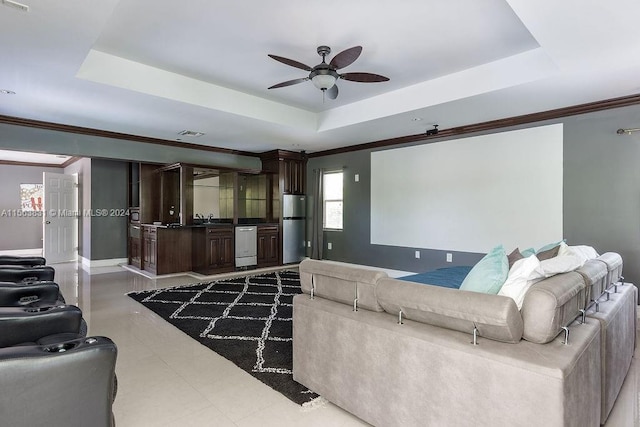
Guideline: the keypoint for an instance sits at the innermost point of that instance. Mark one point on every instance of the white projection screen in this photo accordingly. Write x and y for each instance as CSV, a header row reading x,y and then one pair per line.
x,y
470,194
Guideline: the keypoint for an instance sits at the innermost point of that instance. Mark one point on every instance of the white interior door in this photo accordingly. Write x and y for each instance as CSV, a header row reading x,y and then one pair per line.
x,y
60,227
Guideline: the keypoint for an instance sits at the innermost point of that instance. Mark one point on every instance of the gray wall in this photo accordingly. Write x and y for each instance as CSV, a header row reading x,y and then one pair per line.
x,y
19,232
102,184
109,185
601,197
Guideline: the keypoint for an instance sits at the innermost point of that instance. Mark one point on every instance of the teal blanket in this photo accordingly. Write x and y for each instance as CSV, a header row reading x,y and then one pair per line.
x,y
448,277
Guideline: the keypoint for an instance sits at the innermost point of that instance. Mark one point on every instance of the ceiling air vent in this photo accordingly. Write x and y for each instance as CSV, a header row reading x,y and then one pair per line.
x,y
190,133
16,5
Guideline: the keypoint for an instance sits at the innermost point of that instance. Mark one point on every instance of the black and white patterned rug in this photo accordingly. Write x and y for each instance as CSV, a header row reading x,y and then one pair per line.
x,y
245,319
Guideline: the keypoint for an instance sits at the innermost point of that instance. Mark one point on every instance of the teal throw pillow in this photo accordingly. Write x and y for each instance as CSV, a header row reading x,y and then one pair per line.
x,y
550,246
489,273
528,252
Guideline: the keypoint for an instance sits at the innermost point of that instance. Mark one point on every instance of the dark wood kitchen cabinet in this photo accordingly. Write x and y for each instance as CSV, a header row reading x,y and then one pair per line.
x,y
150,249
135,245
213,249
290,167
268,245
166,250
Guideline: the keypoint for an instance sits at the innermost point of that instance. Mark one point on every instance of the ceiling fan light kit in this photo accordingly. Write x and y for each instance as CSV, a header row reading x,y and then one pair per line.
x,y
324,76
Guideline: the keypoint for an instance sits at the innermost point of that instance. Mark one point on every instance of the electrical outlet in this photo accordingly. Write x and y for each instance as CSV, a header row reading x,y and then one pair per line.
x,y
329,245
308,243
357,177
449,257
418,254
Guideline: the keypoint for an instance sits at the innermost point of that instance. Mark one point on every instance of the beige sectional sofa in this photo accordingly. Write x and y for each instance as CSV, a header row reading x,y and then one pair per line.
x,y
398,353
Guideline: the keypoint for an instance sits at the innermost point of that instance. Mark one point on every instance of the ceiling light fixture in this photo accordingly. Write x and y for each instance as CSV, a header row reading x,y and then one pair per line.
x,y
7,92
324,76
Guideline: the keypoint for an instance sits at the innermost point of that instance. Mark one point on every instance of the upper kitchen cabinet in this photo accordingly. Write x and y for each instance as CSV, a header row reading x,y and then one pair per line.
x,y
253,197
290,167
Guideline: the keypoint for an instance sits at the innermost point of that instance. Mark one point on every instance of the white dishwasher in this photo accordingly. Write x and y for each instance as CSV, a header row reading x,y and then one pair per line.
x,y
246,245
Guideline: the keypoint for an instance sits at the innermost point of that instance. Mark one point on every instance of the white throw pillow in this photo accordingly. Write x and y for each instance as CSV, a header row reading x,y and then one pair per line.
x,y
524,273
588,251
581,251
561,264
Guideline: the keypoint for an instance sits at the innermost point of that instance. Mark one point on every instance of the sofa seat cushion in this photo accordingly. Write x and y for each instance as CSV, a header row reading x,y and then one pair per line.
x,y
341,282
496,317
551,304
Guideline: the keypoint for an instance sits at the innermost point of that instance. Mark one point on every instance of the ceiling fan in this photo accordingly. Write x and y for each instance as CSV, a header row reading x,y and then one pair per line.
x,y
324,76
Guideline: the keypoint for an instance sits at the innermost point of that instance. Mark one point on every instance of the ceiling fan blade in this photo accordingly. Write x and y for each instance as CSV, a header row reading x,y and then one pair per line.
x,y
289,83
290,62
332,92
346,57
364,77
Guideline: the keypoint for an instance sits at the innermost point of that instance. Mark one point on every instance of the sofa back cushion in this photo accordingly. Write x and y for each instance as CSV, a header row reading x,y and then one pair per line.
x,y
496,317
340,282
594,274
613,262
551,304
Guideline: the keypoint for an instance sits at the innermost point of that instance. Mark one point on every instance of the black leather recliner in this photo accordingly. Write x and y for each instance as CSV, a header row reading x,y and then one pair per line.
x,y
30,294
22,260
64,383
31,325
21,273
43,295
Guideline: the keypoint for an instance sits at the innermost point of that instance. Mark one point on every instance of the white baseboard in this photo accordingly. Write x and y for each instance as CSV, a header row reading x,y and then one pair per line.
x,y
99,266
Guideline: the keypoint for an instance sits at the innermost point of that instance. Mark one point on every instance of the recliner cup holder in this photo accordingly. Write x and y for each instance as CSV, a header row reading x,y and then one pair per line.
x,y
62,347
28,299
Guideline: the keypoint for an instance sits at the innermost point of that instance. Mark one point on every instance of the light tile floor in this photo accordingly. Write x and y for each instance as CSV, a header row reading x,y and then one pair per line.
x,y
168,379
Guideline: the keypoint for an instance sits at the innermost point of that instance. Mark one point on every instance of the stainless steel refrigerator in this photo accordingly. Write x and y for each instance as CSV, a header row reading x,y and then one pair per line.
x,y
293,228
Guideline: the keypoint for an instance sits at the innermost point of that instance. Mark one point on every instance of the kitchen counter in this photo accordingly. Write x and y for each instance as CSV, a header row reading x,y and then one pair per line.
x,y
210,224
174,226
